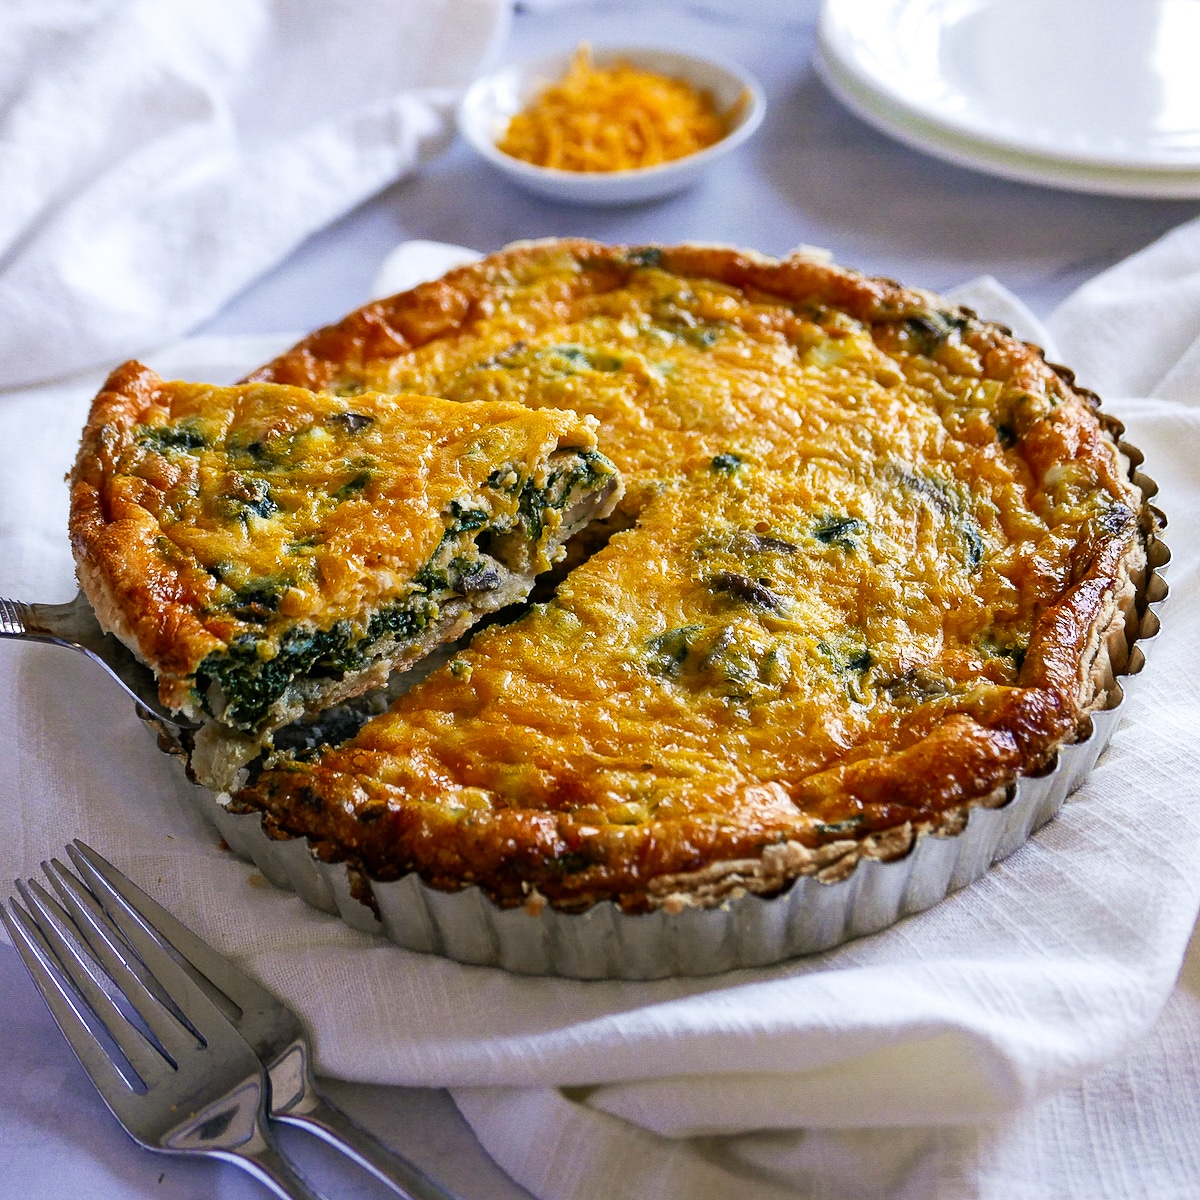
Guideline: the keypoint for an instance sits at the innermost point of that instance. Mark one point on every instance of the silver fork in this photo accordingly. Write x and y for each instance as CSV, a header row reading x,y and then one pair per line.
x,y
271,1030
177,1075
74,626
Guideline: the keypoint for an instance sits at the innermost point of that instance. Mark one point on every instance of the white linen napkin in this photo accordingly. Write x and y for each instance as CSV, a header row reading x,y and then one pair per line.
x,y
1134,330
155,158
907,1060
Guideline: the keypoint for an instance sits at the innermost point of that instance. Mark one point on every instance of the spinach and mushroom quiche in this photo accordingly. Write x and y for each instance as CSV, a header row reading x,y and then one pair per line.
x,y
270,551
875,560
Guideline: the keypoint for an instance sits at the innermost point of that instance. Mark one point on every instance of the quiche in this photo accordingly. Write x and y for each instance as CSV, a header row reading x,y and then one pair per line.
x,y
270,551
875,560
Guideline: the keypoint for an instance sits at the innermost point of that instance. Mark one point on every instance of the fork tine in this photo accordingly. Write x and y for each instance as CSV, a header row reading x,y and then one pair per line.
x,y
82,937
236,985
185,993
63,1006
175,1039
65,925
128,954
142,1057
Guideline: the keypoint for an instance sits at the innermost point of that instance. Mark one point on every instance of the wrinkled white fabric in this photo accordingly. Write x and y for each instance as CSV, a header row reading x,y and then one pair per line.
x,y
970,1025
157,157
1134,330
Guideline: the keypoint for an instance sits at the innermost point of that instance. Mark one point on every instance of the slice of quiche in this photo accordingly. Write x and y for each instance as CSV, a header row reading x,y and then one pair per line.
x,y
270,551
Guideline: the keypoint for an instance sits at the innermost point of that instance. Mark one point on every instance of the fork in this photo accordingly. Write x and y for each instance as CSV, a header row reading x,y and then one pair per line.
x,y
128,931
74,626
178,1077
273,1032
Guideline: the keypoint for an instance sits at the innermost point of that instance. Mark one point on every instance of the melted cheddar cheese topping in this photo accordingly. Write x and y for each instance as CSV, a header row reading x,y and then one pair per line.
x,y
845,538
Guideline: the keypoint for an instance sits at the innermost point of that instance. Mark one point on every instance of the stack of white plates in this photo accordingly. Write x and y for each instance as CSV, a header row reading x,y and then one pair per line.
x,y
1093,95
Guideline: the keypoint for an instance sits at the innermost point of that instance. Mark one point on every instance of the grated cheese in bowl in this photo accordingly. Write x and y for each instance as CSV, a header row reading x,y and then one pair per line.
x,y
612,118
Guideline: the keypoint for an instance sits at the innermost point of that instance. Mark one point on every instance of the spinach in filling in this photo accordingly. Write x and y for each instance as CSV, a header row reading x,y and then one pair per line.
x,y
186,435
834,530
585,469
251,681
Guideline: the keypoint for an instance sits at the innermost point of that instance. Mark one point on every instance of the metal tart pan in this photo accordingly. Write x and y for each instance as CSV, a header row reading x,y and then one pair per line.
x,y
745,931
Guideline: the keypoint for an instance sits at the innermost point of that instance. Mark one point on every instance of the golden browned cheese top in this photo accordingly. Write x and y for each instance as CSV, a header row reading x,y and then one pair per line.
x,y
209,514
871,542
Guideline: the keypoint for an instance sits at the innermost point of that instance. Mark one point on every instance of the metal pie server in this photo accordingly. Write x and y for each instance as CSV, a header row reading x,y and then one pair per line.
x,y
74,626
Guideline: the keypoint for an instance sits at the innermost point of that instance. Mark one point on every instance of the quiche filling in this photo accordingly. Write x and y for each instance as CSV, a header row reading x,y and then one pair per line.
x,y
875,559
483,562
271,551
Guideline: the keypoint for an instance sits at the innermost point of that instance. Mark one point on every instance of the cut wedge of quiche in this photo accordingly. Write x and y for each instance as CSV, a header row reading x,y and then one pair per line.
x,y
270,551
875,560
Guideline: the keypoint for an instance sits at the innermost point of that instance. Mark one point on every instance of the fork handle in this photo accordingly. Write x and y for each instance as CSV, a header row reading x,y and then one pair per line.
x,y
329,1123
269,1167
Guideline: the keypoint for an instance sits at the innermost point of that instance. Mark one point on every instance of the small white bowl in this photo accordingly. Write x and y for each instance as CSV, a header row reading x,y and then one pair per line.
x,y
492,101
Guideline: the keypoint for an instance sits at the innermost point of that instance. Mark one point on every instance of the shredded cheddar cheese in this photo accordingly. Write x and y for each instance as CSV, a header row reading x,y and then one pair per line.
x,y
612,118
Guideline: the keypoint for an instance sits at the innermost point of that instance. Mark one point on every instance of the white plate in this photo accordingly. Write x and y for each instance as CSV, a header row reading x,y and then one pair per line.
x,y
1099,83
933,138
492,101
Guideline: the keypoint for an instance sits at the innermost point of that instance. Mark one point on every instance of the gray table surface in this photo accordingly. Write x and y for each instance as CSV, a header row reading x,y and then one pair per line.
x,y
813,174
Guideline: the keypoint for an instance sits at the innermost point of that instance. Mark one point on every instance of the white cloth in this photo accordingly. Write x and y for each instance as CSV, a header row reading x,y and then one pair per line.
x,y
157,157
1134,330
761,1083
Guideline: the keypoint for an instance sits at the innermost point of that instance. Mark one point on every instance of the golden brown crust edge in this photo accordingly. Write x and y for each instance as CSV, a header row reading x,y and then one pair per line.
x,y
146,601
388,327
1078,643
